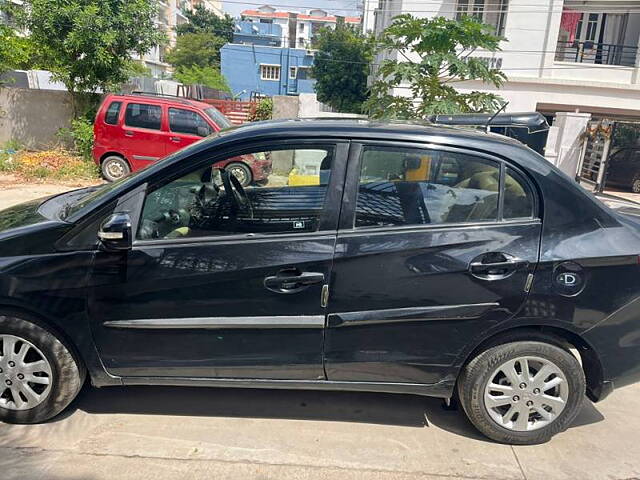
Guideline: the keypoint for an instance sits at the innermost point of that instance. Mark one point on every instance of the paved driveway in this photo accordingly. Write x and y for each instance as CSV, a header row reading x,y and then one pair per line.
x,y
173,433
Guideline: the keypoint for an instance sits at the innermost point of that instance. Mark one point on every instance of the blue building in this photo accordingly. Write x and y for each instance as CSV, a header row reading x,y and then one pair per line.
x,y
258,63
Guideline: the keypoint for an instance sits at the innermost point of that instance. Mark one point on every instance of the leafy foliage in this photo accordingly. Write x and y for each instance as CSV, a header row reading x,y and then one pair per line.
x,y
263,110
201,49
202,20
15,51
341,67
207,76
88,43
56,164
433,53
80,135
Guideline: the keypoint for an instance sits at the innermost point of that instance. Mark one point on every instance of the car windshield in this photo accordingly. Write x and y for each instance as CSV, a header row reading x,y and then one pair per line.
x,y
219,119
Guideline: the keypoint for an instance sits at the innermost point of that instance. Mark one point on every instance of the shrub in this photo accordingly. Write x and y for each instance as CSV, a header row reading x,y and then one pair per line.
x,y
263,110
80,136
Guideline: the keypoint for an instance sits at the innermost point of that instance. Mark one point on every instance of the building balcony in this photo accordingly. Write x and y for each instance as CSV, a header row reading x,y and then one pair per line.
x,y
597,53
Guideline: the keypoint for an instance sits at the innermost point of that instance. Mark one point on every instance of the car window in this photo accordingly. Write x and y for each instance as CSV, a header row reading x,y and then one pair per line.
x,y
143,116
284,192
218,118
417,187
518,197
113,112
187,121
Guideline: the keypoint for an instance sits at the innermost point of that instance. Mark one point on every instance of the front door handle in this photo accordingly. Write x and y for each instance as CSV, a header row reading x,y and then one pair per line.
x,y
175,139
128,133
496,266
292,281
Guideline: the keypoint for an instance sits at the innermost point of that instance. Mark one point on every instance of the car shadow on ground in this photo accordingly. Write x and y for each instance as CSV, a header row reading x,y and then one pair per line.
x,y
362,407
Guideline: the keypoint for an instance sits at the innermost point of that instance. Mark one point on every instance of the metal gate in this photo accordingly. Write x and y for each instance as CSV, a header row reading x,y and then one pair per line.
x,y
603,139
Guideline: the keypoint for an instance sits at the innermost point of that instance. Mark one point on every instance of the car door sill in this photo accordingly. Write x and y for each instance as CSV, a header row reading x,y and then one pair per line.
x,y
442,389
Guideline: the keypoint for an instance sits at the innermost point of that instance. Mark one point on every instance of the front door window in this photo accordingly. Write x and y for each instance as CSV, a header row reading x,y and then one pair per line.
x,y
286,195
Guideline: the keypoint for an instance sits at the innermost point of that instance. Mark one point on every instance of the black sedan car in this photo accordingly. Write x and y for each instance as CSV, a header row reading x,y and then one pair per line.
x,y
381,257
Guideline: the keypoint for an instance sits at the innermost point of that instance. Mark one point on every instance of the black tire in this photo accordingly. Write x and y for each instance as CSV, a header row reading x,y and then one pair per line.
x,y
241,171
477,373
114,168
68,373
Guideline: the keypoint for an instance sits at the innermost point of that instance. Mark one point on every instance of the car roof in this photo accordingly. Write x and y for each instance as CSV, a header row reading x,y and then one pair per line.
x,y
364,129
161,99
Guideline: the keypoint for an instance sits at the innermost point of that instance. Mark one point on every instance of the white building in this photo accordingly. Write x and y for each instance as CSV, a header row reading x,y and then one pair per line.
x,y
170,15
561,55
298,29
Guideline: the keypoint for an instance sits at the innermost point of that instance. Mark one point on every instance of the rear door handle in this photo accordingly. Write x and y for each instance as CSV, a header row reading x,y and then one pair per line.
x,y
292,281
175,139
496,266
128,133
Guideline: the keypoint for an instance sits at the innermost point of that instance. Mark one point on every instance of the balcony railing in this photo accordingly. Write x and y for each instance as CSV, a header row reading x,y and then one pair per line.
x,y
597,53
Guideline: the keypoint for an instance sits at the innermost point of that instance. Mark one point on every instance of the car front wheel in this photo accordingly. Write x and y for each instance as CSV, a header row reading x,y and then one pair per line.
x,y
522,392
241,171
635,185
39,376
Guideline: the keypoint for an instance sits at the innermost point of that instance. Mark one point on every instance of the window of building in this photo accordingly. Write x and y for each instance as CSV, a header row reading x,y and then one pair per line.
x,y
419,187
293,73
113,112
142,115
270,72
186,121
304,73
491,12
286,194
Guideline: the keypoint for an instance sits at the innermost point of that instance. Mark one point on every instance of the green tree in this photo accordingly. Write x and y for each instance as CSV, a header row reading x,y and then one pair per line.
x,y
88,43
432,54
341,67
208,76
201,49
202,20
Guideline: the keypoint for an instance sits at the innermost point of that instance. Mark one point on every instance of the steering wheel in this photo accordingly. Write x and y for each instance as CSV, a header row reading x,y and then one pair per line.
x,y
236,192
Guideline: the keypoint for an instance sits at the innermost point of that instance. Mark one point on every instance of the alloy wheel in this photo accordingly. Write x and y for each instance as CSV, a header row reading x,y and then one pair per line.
x,y
240,174
526,393
25,374
635,186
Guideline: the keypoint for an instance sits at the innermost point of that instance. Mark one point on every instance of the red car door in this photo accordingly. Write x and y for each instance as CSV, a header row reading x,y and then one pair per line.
x,y
186,126
144,134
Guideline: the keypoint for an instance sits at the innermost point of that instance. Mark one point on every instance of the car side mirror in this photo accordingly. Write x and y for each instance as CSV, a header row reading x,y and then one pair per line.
x,y
204,131
115,233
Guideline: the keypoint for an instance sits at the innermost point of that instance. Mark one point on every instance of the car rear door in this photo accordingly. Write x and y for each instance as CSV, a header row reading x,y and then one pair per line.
x,y
144,133
435,246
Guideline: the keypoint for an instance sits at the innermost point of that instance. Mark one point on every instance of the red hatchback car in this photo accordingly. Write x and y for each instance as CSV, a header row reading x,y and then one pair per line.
x,y
132,131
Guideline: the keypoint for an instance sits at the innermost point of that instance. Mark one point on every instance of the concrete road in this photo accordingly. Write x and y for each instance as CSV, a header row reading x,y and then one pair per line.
x,y
204,433
161,433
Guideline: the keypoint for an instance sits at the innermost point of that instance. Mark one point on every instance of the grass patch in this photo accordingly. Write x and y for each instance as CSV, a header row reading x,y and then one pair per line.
x,y
57,164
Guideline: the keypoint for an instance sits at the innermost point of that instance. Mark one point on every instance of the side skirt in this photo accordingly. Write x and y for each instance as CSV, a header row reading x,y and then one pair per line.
x,y
442,389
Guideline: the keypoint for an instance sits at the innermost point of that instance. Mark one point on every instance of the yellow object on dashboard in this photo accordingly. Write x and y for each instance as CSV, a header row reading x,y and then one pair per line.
x,y
422,172
296,179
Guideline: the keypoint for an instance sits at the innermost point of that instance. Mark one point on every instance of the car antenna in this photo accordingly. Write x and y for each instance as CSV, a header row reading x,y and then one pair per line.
x,y
488,124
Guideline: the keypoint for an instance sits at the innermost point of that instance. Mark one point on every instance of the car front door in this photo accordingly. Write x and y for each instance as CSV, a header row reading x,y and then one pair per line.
x,y
436,245
219,288
185,127
143,134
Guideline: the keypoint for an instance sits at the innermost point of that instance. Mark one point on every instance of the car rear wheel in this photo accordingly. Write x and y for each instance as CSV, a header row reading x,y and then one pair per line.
x,y
522,392
114,168
241,171
635,185
39,376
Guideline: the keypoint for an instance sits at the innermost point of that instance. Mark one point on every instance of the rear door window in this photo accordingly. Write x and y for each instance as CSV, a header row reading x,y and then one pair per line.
x,y
142,115
402,186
